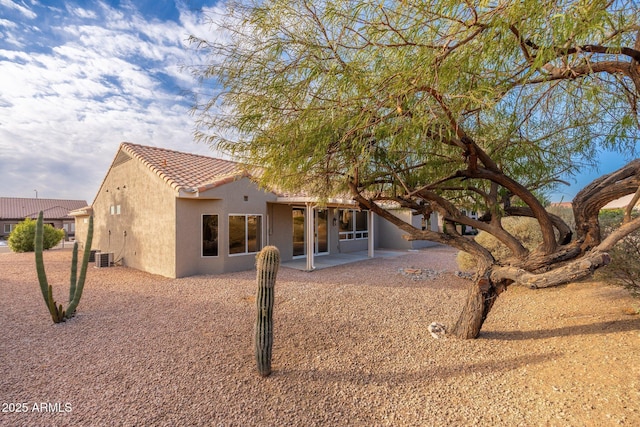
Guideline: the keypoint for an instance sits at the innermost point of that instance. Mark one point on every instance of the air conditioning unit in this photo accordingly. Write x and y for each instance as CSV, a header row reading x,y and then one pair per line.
x,y
104,259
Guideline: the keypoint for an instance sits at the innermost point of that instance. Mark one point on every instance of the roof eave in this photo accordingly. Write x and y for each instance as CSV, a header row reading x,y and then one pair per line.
x,y
295,200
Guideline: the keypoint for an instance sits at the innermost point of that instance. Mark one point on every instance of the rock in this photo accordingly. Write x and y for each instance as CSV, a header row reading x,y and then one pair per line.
x,y
437,330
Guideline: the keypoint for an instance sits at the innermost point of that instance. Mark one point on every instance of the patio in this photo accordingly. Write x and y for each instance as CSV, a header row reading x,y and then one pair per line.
x,y
327,261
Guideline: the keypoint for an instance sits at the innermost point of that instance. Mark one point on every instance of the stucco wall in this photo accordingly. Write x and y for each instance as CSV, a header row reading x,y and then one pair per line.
x,y
240,197
142,235
280,230
389,236
82,227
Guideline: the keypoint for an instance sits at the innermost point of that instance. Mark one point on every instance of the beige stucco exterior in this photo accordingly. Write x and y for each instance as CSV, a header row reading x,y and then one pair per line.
x,y
240,197
152,221
134,218
389,236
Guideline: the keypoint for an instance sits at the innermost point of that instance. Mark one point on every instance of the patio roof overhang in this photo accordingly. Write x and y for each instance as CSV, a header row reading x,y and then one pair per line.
x,y
314,201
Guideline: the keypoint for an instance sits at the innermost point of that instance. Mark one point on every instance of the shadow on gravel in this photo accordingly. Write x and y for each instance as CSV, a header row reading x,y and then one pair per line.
x,y
434,372
597,328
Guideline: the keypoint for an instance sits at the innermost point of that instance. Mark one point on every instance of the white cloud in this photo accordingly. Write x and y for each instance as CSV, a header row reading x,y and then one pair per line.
x,y
83,13
27,13
99,78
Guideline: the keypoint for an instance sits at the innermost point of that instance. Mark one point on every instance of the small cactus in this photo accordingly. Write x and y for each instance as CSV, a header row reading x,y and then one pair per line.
x,y
58,314
267,263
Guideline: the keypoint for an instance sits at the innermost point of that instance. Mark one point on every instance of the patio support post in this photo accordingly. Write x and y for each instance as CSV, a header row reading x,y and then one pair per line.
x,y
371,241
309,220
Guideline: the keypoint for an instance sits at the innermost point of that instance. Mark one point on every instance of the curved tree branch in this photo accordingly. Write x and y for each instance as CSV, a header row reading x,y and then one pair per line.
x,y
484,257
618,234
592,198
546,225
564,230
569,272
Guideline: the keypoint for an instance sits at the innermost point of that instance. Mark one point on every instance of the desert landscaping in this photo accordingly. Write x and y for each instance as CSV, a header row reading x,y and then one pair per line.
x,y
351,348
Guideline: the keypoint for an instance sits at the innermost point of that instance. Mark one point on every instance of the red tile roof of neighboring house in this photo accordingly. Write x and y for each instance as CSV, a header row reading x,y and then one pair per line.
x,y
20,208
185,171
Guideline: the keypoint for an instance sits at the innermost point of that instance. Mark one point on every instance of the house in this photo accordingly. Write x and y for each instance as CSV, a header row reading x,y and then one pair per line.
x,y
14,210
178,214
622,203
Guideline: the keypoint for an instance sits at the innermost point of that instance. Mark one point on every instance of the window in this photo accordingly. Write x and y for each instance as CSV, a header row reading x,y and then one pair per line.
x,y
353,224
8,228
115,210
245,234
69,228
209,235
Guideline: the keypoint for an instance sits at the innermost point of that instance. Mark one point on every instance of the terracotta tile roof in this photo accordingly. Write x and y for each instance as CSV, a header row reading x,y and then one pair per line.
x,y
20,208
185,171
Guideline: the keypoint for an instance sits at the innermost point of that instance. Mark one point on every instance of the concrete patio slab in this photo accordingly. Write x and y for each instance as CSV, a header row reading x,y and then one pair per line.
x,y
328,261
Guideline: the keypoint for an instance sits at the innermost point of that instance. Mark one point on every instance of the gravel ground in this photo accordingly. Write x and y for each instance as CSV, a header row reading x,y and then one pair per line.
x,y
351,347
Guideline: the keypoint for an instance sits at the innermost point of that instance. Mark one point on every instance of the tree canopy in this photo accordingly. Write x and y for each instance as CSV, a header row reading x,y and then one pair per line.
x,y
437,106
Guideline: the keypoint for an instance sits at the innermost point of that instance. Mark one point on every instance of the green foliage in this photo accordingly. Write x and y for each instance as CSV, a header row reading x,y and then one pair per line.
x,y
58,313
525,229
624,268
22,237
317,93
267,263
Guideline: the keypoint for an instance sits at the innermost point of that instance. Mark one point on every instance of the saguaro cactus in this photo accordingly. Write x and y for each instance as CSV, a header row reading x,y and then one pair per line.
x,y
267,263
58,314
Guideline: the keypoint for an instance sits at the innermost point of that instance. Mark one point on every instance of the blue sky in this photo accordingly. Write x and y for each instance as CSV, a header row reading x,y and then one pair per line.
x,y
77,78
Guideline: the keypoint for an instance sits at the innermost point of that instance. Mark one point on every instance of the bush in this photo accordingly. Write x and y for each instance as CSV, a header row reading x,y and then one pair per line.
x,y
624,268
23,236
525,229
566,214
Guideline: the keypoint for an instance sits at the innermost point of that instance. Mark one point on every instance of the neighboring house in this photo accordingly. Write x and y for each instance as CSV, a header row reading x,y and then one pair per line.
x,y
178,214
14,210
622,203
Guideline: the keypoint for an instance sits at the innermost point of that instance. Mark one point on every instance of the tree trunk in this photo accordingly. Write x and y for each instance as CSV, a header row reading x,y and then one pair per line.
x,y
481,296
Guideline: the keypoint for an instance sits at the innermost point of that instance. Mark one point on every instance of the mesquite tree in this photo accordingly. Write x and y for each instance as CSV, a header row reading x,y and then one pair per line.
x,y
438,106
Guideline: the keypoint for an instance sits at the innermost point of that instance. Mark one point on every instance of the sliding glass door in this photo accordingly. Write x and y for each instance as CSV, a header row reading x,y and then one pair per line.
x,y
321,231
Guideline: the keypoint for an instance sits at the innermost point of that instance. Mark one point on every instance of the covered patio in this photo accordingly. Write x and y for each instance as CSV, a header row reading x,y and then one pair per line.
x,y
333,260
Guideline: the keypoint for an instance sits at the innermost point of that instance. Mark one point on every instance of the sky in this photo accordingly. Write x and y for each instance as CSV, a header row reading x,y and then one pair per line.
x,y
77,78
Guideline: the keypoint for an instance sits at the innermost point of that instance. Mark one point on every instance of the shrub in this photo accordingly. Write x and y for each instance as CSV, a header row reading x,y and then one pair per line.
x,y
624,268
526,230
22,237
566,214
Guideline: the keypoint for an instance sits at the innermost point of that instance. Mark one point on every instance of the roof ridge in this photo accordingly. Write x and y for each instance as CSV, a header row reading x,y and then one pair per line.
x,y
43,199
153,147
201,170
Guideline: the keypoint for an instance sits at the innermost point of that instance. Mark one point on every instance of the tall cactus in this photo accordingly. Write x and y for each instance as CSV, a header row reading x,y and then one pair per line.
x,y
58,314
267,263
76,287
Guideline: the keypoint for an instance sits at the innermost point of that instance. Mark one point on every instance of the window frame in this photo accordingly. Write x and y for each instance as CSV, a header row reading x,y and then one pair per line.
x,y
259,234
217,249
355,233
